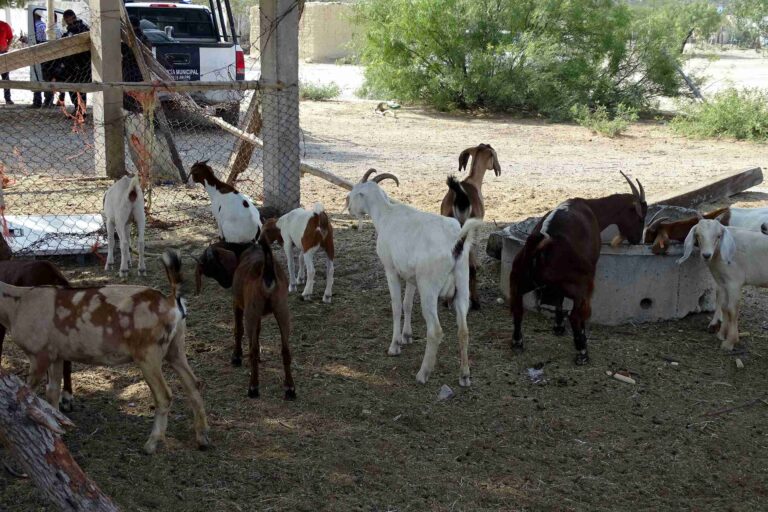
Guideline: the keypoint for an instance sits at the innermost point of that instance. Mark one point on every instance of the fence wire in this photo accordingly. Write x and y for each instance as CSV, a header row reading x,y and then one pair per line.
x,y
52,158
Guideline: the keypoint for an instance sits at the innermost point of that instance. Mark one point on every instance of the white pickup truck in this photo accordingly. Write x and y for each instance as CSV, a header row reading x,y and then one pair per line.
x,y
194,42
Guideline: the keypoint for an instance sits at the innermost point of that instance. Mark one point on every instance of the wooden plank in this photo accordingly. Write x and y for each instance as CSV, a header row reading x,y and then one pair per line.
x,y
243,151
721,187
158,85
45,52
322,173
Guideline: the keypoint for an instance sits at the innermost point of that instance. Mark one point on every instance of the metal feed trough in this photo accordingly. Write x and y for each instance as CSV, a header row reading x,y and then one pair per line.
x,y
49,235
632,284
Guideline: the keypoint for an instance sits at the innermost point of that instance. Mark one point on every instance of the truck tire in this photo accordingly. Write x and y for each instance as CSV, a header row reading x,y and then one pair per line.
x,y
231,113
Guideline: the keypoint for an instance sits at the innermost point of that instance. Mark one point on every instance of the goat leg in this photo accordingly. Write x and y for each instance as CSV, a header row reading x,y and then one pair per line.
x,y
578,317
254,331
237,353
473,295
283,318
67,398
516,305
559,328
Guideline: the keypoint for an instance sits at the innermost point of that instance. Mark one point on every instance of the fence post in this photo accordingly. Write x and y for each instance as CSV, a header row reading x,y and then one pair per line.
x,y
106,66
279,41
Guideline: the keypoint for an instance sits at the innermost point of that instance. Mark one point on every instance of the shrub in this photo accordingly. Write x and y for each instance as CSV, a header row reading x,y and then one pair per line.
x,y
599,120
730,113
319,92
533,56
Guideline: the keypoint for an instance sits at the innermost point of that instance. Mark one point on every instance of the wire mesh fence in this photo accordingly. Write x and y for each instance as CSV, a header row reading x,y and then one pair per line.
x,y
53,158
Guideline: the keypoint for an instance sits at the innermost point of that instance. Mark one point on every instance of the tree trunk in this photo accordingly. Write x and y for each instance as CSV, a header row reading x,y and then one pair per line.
x,y
31,430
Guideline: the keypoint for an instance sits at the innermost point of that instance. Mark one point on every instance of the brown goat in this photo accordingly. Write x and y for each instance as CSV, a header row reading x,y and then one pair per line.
x,y
560,255
659,233
108,325
465,200
37,273
259,288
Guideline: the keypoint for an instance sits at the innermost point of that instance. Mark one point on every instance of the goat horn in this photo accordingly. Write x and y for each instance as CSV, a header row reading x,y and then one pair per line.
x,y
631,185
368,174
658,212
382,177
642,190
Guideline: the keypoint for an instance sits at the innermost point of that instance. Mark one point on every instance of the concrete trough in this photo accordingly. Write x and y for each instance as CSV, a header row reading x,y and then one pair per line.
x,y
632,284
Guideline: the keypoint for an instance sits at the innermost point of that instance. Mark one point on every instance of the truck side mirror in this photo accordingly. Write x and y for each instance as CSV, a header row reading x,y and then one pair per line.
x,y
169,31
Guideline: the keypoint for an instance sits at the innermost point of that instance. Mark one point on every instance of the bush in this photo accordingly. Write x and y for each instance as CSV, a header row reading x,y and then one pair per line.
x,y
319,92
730,113
533,56
599,120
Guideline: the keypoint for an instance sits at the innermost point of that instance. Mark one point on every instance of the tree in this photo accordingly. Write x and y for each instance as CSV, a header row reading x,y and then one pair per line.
x,y
535,56
752,19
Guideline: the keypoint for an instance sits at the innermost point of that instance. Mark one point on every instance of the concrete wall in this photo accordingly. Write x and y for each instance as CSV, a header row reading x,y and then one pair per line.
x,y
324,31
634,285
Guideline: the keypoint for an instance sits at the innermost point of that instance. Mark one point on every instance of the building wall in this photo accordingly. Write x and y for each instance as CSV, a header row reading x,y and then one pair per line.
x,y
325,31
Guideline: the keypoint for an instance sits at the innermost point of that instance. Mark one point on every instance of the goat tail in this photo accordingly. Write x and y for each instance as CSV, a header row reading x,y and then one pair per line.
x,y
134,188
466,237
172,264
461,202
268,276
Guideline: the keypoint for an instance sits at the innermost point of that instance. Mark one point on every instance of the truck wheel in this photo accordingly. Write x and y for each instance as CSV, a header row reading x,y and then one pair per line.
x,y
231,114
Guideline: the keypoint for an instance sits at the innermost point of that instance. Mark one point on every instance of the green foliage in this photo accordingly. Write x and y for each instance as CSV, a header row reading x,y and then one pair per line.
x,y
751,20
731,113
319,92
533,56
600,120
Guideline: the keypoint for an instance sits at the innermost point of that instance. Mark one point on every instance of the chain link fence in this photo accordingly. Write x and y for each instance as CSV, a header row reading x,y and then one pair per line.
x,y
52,154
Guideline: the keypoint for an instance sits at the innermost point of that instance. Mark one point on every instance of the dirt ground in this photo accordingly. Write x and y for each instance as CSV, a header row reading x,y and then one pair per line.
x,y
364,436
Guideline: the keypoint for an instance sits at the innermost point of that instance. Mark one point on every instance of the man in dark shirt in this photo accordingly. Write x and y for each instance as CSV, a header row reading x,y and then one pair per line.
x,y
77,68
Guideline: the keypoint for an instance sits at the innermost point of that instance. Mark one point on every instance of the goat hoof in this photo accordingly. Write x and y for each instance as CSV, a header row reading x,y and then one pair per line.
x,y
306,298
726,346
465,381
559,330
475,305
407,339
327,299
291,287
517,347
290,394
394,349
203,442
123,274
422,377
237,361
143,272
713,328
150,447
253,391
66,404
582,358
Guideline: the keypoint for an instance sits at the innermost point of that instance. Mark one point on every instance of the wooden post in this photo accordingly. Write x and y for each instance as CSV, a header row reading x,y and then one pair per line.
x,y
50,11
279,41
31,430
241,154
106,66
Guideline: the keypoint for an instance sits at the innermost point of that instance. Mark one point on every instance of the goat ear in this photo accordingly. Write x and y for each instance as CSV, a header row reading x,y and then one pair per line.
x,y
724,218
727,247
464,157
228,260
688,245
496,165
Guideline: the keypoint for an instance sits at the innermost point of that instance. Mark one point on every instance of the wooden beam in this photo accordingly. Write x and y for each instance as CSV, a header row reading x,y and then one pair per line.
x,y
45,52
322,173
721,187
243,150
162,86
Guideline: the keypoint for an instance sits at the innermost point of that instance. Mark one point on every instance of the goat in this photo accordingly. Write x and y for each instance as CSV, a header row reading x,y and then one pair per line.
x,y
560,256
735,257
259,287
309,231
38,273
464,200
376,179
211,263
237,219
107,325
123,203
428,251
659,232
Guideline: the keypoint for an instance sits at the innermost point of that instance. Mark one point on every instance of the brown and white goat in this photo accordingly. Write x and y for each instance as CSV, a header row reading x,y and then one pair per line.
x,y
464,199
259,288
560,256
659,232
37,273
107,325
309,231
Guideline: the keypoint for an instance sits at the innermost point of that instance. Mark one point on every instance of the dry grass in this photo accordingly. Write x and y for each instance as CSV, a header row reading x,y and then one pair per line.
x,y
364,436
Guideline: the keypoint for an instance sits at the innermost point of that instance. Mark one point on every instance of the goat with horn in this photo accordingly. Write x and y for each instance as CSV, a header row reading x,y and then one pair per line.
x,y
560,256
376,179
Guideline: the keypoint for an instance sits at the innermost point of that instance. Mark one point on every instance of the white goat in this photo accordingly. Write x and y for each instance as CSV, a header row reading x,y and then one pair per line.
x,y
747,218
736,257
308,231
237,219
123,202
428,251
376,179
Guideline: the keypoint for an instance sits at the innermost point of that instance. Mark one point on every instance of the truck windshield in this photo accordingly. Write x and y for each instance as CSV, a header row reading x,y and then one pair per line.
x,y
186,23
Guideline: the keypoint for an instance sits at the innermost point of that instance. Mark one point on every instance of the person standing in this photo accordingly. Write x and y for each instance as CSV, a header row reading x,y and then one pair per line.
x,y
6,37
78,67
37,96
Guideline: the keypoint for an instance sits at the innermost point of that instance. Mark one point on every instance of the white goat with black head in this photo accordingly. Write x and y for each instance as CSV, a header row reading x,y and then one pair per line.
x,y
123,203
736,257
428,251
